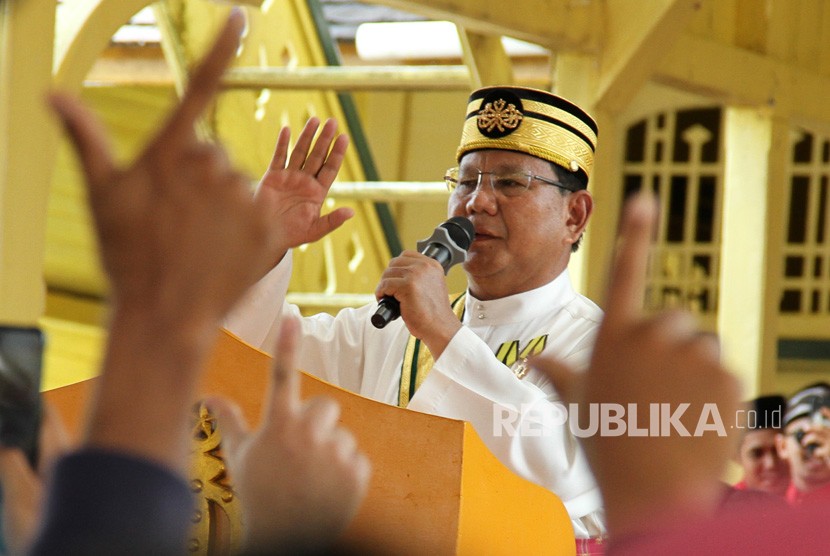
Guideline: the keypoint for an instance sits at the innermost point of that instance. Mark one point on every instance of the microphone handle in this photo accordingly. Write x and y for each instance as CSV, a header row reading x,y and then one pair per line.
x,y
440,253
388,310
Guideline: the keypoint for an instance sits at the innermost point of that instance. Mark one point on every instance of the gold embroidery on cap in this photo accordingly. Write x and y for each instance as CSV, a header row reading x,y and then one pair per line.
x,y
550,111
540,139
494,114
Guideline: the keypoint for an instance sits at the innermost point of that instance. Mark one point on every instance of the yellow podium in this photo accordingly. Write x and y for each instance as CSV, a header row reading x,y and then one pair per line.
x,y
435,489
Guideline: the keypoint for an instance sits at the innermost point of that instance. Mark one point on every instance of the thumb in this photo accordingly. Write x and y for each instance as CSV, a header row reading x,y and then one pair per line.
x,y
17,478
231,422
54,440
567,383
14,467
88,137
331,221
22,494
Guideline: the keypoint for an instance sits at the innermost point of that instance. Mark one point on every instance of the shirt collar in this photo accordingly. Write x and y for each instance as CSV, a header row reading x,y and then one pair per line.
x,y
519,307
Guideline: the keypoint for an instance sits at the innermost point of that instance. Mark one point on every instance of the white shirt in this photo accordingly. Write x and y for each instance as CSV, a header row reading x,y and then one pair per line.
x,y
518,420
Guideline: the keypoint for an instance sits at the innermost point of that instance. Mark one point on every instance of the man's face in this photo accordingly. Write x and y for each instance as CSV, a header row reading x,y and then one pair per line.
x,y
809,458
763,468
521,242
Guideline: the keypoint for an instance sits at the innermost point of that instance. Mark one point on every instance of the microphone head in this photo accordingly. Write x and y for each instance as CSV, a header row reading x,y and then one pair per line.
x,y
461,231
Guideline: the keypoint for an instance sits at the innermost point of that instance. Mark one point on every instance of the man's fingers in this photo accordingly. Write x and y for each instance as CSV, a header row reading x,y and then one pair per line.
x,y
281,150
88,138
330,222
204,80
329,171
317,158
628,274
301,148
284,396
231,422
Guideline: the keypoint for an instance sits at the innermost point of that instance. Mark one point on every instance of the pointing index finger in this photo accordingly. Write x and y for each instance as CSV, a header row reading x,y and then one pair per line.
x,y
628,273
284,398
204,80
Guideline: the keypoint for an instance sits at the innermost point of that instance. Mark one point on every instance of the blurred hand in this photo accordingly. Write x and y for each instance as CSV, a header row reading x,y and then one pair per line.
x,y
299,476
22,486
659,360
296,191
178,230
181,238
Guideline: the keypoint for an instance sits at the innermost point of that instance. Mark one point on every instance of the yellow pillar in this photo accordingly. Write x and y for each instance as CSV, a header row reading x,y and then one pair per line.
x,y
750,248
574,78
485,56
27,131
606,187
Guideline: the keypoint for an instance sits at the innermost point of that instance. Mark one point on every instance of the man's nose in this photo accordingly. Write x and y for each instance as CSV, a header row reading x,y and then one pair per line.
x,y
483,198
768,460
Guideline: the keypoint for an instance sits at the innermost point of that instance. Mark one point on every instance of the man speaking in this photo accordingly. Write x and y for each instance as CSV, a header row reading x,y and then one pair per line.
x,y
524,162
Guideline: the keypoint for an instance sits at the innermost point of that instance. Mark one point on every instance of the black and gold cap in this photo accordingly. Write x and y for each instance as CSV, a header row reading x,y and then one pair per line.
x,y
531,121
807,401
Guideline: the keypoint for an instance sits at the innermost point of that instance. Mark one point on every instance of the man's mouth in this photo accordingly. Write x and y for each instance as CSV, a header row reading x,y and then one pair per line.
x,y
815,465
483,235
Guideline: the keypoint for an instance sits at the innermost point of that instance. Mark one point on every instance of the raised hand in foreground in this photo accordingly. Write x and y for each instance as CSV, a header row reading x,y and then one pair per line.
x,y
178,230
181,238
640,360
299,475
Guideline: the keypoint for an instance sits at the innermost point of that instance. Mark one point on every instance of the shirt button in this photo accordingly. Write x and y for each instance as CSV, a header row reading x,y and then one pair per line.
x,y
481,316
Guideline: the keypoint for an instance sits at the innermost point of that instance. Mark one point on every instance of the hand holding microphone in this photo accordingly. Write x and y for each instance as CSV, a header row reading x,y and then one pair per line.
x,y
448,245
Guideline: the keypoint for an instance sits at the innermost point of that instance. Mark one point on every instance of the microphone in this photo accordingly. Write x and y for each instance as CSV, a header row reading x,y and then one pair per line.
x,y
448,245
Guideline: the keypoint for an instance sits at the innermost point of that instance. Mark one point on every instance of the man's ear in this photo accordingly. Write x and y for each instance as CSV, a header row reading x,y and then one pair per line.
x,y
781,446
580,207
737,444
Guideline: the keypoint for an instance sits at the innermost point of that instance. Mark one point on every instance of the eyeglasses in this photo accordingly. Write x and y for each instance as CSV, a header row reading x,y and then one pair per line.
x,y
798,435
509,184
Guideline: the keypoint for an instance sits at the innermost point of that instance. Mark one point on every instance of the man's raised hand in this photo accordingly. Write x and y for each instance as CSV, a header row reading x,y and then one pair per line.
x,y
296,186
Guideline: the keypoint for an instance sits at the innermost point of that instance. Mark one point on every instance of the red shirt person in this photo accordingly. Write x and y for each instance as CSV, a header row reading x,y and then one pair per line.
x,y
805,444
763,468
